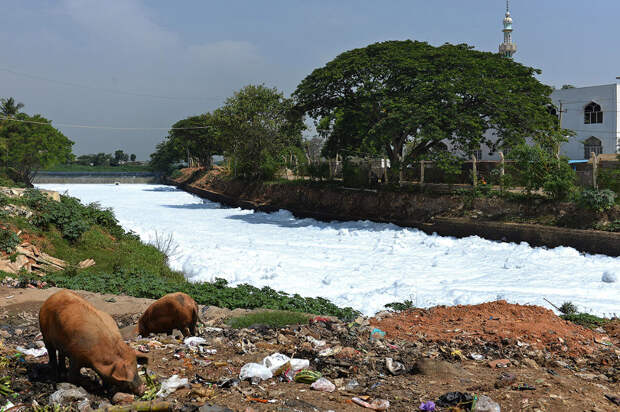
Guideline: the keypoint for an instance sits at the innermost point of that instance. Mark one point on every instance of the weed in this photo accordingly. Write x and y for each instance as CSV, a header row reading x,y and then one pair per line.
x,y
400,306
166,245
8,240
274,319
568,308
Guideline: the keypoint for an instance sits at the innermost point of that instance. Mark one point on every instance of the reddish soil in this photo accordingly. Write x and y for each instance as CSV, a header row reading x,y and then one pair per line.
x,y
492,322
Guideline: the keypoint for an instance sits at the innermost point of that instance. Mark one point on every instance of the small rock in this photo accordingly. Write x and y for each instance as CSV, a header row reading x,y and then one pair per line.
x,y
530,363
120,397
504,380
18,332
499,363
4,333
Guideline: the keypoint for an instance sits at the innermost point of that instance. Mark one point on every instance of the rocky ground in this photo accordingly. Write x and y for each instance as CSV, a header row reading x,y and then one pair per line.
x,y
521,357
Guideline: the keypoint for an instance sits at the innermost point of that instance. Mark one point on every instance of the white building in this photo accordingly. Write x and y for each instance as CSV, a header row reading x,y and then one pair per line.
x,y
593,114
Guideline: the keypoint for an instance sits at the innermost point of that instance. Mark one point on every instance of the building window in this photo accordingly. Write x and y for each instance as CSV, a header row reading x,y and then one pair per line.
x,y
592,144
593,114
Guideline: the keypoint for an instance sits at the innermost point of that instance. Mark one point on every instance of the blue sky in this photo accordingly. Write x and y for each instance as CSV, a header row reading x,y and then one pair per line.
x,y
196,53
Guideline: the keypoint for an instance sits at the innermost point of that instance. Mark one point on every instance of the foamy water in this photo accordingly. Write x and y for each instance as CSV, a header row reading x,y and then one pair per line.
x,y
359,264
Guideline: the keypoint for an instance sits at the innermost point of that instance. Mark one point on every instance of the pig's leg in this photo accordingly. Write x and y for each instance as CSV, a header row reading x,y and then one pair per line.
x,y
186,332
62,363
53,364
192,329
74,371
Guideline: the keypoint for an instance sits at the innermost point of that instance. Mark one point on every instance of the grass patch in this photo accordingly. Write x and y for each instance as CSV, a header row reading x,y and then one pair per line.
x,y
585,319
274,319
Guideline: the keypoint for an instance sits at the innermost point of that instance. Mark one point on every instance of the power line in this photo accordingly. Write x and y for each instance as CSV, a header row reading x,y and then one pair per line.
x,y
104,127
108,90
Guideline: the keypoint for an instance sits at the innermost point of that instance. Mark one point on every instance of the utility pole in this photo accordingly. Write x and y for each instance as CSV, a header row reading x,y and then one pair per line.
x,y
560,113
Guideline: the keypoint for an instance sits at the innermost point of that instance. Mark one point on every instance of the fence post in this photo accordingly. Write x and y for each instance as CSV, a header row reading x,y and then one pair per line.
x,y
421,172
594,169
474,171
501,171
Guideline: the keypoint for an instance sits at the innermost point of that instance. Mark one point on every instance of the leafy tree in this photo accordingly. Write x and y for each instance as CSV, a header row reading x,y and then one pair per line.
x,y
119,157
383,97
165,156
256,127
567,86
32,146
9,108
102,159
132,157
198,136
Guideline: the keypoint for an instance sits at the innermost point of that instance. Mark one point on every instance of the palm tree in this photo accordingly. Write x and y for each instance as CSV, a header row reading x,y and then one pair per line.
x,y
9,108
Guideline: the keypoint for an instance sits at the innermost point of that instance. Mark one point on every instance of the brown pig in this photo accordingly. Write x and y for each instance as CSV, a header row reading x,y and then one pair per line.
x,y
172,311
89,338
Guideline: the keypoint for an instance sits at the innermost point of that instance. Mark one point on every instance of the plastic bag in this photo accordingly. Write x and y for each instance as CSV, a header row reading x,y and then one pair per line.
x,y
276,362
255,371
299,364
485,404
194,341
32,352
170,385
323,385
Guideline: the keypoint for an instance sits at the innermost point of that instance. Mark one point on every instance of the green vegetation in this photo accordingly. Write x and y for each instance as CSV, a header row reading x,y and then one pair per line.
x,y
400,306
8,240
598,200
404,99
585,319
28,144
274,319
570,312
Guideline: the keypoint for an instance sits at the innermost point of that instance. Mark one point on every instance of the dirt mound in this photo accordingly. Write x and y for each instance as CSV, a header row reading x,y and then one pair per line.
x,y
497,321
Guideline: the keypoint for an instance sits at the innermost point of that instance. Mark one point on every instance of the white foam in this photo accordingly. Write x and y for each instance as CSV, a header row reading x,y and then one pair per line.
x,y
360,264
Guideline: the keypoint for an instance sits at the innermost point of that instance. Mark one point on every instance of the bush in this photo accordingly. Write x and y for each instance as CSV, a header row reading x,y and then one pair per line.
x,y
70,216
537,168
4,200
318,170
609,179
176,173
354,174
568,308
8,240
597,200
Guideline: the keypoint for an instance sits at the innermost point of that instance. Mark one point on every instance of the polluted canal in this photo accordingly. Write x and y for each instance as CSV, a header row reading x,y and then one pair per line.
x,y
359,264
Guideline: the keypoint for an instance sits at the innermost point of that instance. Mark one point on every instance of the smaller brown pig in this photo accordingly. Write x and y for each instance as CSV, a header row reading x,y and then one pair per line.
x,y
89,338
172,311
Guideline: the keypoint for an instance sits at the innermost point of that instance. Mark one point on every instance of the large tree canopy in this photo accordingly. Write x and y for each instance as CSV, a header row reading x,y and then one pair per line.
x,y
383,97
31,144
256,126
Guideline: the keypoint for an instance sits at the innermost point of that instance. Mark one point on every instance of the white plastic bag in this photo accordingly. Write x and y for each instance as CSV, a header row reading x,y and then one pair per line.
x,y
32,352
170,385
299,364
194,341
323,385
255,371
275,362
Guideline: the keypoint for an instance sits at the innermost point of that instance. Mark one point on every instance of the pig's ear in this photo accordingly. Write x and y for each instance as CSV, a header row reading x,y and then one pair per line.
x,y
141,358
121,372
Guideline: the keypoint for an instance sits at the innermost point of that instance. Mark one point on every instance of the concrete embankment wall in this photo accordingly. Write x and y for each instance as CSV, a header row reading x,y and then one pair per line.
x,y
403,209
101,178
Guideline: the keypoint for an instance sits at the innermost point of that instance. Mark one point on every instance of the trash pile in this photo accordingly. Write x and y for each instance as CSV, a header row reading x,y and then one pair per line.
x,y
29,258
393,362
